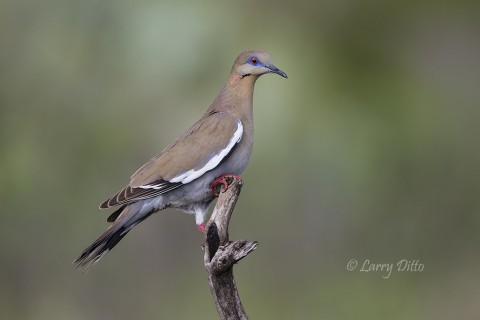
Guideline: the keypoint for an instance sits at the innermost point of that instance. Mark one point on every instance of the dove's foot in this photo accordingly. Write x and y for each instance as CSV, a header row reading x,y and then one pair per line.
x,y
223,181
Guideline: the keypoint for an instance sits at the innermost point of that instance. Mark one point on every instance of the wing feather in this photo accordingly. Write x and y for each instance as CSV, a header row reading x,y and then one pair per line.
x,y
199,150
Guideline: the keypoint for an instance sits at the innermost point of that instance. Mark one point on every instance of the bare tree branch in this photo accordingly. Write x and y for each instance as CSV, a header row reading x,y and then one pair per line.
x,y
221,254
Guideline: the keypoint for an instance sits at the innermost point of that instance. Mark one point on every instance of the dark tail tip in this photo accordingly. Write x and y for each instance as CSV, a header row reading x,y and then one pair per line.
x,y
100,247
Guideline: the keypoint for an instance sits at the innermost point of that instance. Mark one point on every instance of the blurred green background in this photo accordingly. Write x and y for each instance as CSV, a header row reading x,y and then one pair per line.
x,y
369,151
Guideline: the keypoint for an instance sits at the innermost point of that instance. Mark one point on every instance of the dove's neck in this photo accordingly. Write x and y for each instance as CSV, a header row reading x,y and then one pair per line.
x,y
236,98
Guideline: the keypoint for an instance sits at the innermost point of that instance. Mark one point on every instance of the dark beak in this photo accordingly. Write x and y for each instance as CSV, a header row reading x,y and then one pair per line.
x,y
274,69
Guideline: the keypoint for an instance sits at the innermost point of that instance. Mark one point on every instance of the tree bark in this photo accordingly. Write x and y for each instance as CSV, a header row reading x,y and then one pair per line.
x,y
221,254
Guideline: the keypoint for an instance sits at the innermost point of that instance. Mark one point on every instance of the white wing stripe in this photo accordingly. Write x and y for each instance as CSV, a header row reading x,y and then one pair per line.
x,y
193,174
153,186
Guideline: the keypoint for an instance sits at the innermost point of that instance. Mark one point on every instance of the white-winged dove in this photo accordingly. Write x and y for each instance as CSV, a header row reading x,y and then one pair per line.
x,y
217,145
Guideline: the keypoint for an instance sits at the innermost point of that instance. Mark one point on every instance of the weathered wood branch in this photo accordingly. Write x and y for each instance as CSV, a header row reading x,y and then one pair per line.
x,y
221,254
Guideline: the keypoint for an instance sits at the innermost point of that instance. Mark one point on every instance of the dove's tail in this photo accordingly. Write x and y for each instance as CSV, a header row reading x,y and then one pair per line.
x,y
127,217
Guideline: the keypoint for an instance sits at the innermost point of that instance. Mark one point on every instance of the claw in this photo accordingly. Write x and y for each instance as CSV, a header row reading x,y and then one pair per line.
x,y
223,181
216,182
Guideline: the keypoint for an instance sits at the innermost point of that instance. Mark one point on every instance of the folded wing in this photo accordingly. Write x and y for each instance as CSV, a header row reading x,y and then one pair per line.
x,y
199,150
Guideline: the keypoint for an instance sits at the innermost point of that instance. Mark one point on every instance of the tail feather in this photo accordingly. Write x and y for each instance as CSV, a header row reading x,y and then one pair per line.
x,y
119,229
99,248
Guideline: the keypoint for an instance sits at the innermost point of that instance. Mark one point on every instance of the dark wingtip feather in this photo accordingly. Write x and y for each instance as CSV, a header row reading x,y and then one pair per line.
x,y
104,204
115,214
131,194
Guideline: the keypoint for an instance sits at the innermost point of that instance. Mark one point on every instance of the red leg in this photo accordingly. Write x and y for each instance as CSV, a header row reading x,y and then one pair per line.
x,y
222,180
201,227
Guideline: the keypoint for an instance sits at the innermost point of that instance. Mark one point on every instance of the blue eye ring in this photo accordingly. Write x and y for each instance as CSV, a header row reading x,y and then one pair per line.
x,y
253,60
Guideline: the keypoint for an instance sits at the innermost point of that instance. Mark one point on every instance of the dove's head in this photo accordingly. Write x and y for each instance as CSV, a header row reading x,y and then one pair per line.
x,y
255,63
